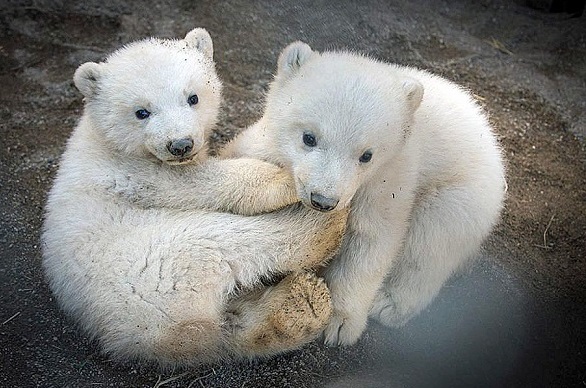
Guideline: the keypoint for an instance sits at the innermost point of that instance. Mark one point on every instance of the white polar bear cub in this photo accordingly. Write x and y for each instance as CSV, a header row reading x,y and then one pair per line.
x,y
412,155
145,238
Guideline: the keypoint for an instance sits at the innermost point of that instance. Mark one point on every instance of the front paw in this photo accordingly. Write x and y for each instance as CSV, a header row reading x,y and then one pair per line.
x,y
344,329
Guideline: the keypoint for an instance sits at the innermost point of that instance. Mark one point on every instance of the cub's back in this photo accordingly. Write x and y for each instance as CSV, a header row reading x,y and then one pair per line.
x,y
455,136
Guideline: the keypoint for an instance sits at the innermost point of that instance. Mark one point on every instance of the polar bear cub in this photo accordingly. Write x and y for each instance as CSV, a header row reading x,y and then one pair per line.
x,y
145,239
410,153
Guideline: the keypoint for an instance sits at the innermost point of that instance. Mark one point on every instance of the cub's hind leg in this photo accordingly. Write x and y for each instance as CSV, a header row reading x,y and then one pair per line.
x,y
446,231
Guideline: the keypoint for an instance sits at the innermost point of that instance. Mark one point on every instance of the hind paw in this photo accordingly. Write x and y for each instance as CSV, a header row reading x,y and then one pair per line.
x,y
282,317
306,306
390,313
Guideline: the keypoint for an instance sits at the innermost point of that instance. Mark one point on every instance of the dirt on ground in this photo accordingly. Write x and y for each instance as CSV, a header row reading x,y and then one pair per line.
x,y
525,298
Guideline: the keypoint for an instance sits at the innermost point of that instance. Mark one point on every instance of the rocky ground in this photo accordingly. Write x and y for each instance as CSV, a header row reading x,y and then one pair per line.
x,y
515,318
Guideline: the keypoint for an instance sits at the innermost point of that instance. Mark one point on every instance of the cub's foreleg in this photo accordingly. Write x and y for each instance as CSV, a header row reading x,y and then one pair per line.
x,y
240,186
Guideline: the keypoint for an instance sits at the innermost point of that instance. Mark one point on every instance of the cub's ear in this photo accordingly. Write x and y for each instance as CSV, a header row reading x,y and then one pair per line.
x,y
86,78
200,39
292,58
414,92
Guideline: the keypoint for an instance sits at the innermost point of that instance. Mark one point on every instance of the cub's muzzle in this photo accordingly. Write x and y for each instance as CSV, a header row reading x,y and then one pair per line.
x,y
180,147
323,204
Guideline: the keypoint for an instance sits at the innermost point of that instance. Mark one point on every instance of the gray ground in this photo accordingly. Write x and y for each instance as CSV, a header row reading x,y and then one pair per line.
x,y
515,318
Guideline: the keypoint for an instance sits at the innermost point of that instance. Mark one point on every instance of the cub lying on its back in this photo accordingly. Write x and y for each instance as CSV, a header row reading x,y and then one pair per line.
x,y
138,242
410,153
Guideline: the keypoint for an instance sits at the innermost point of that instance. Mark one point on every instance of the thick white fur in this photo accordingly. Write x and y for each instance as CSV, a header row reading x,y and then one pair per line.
x,y
419,209
138,244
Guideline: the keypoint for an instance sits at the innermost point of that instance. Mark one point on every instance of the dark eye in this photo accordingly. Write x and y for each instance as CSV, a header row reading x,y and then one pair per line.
x,y
142,114
365,157
309,140
192,100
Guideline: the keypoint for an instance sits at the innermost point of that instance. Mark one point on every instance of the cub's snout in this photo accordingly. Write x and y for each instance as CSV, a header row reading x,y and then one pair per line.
x,y
322,203
181,147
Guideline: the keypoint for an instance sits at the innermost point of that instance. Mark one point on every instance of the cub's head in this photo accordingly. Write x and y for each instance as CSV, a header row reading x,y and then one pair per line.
x,y
155,98
336,119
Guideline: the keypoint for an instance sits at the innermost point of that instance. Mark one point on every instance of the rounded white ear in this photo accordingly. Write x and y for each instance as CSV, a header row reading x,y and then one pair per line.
x,y
200,39
292,58
86,78
414,93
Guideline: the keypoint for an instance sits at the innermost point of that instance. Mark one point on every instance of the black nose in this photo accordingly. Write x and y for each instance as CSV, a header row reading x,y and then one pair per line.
x,y
180,147
322,203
